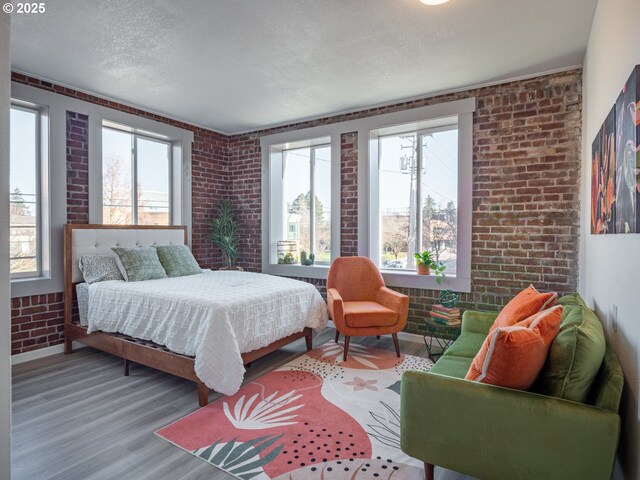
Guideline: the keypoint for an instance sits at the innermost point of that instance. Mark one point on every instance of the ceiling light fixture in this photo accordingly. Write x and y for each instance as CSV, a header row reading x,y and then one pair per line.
x,y
434,2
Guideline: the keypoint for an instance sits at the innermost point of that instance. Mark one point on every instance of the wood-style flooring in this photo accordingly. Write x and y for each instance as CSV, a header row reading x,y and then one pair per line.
x,y
77,417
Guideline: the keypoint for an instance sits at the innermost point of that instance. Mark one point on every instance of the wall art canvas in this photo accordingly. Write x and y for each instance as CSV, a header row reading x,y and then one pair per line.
x,y
603,177
627,216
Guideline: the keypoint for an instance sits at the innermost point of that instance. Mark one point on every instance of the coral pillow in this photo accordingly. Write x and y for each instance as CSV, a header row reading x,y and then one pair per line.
x,y
514,356
528,302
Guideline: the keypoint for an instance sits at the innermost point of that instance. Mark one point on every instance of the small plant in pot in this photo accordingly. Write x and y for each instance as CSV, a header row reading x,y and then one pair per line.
x,y
306,260
225,235
426,263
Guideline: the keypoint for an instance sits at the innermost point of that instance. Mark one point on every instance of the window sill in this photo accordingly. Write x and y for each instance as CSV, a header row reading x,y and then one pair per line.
x,y
300,271
28,286
410,279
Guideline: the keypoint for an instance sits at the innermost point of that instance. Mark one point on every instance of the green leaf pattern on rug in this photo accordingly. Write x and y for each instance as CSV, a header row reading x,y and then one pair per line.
x,y
386,428
395,387
241,459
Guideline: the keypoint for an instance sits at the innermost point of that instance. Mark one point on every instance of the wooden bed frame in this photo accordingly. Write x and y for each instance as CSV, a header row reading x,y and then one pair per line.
x,y
136,350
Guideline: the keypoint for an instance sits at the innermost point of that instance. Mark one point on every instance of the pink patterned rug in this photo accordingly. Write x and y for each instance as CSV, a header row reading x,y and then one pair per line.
x,y
315,417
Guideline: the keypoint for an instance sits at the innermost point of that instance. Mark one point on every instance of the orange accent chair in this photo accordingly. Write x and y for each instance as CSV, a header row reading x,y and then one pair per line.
x,y
360,304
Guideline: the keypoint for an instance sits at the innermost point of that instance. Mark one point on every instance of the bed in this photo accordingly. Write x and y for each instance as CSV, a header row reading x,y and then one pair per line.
x,y
203,327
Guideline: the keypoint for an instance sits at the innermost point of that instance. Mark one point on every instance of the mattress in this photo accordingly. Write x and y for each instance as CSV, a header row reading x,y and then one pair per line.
x,y
213,316
82,295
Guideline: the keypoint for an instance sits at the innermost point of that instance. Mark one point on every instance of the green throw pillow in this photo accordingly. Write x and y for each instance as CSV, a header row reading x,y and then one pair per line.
x,y
178,260
576,353
139,263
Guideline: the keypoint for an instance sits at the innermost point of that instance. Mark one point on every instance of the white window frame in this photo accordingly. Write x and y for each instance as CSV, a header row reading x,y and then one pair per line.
x,y
148,136
180,175
368,184
273,204
58,105
367,190
43,247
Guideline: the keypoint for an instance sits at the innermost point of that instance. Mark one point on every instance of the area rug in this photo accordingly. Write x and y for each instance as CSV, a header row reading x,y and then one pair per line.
x,y
315,417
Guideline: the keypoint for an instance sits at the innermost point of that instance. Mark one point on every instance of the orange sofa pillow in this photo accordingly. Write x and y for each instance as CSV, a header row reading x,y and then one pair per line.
x,y
514,356
528,302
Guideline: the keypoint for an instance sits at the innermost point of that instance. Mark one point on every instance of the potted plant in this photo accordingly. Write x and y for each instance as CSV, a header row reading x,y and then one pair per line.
x,y
225,234
426,263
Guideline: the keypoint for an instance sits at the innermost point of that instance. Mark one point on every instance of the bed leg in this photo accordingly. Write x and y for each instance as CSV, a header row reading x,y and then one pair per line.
x,y
68,345
203,394
308,338
125,366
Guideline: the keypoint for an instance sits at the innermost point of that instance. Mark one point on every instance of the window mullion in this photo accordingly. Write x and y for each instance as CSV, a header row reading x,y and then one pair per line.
x,y
419,160
312,201
134,180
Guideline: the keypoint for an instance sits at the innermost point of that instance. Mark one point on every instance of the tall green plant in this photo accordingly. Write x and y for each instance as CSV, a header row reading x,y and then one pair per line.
x,y
225,233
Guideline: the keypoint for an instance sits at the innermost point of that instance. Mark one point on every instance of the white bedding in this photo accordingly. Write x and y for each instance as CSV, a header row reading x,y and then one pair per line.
x,y
214,316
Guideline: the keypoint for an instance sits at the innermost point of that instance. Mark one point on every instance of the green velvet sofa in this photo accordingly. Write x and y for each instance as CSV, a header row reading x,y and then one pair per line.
x,y
496,433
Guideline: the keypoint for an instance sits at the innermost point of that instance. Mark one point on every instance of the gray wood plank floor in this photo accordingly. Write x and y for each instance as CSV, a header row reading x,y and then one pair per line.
x,y
78,417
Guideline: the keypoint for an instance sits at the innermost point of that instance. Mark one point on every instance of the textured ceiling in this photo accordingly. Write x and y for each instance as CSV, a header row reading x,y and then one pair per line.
x,y
238,65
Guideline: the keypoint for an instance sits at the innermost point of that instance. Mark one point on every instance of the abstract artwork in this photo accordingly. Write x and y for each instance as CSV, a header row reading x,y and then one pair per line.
x,y
627,215
603,177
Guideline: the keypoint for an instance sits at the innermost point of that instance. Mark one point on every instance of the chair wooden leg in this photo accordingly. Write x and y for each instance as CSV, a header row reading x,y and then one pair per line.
x,y
125,366
346,347
203,394
428,471
396,344
337,335
309,340
68,345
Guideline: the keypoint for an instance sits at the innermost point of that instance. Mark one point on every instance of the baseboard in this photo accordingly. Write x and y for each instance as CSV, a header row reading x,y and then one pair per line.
x,y
410,337
41,353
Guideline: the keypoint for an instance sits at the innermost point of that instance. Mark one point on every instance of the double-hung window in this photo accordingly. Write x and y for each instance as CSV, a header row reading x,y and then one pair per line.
x,y
28,224
136,178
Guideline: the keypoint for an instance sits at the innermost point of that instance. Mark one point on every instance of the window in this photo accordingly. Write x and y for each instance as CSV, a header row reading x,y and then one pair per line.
x,y
416,192
26,178
136,178
300,192
307,175
418,197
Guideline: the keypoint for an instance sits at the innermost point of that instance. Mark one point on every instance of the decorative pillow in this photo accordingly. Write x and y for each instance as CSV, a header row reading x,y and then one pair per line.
x,y
139,263
576,353
528,302
513,356
99,268
177,260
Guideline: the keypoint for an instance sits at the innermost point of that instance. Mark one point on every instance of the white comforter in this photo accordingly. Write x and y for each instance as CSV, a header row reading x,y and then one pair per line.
x,y
214,316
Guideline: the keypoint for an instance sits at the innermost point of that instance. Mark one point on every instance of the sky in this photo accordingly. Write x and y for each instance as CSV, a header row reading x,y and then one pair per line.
x,y
440,172
23,152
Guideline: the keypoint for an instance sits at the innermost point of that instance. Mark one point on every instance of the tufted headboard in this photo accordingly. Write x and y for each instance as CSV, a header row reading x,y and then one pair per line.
x,y
98,239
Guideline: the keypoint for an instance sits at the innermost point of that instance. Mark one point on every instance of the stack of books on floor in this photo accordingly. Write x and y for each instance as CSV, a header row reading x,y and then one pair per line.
x,y
446,315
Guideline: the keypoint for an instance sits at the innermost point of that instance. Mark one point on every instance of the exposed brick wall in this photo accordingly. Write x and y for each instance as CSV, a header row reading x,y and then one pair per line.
x,y
36,322
77,168
349,194
526,171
